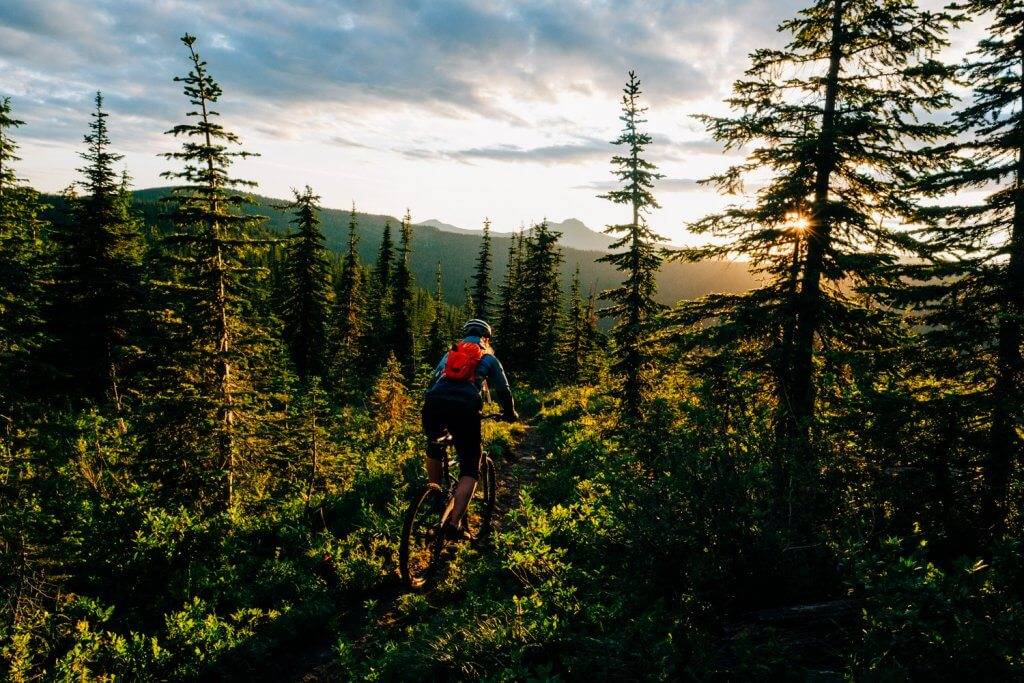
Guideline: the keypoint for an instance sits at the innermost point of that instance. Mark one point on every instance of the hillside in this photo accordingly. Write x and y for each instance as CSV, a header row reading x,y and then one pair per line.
x,y
457,252
575,234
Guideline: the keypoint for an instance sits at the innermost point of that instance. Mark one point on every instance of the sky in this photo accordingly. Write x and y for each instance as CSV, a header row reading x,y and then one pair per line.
x,y
456,110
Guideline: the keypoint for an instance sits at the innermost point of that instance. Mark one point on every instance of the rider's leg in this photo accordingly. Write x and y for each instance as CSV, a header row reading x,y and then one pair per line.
x,y
468,443
433,428
434,470
463,492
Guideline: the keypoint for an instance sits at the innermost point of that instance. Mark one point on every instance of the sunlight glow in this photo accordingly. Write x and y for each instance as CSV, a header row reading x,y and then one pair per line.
x,y
798,222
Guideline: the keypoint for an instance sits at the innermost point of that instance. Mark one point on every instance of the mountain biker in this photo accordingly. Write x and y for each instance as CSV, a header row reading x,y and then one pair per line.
x,y
453,405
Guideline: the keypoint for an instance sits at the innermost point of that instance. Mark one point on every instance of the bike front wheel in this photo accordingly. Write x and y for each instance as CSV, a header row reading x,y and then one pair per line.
x,y
422,541
484,500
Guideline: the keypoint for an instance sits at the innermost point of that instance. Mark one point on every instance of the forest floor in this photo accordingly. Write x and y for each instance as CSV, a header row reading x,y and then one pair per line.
x,y
814,635
380,611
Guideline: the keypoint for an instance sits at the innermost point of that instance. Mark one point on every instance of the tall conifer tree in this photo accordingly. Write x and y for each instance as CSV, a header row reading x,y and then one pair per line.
x,y
575,350
835,116
509,318
380,330
349,307
307,287
213,242
24,267
540,303
98,280
403,340
482,276
632,303
437,337
973,289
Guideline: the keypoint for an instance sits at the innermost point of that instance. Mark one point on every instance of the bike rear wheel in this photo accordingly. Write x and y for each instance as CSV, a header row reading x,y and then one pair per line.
x,y
483,501
422,541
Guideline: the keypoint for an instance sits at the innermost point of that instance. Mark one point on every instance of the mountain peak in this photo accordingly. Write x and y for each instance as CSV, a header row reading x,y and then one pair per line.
x,y
575,233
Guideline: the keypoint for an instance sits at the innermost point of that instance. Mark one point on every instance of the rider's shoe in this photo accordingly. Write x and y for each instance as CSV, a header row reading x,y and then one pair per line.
x,y
452,533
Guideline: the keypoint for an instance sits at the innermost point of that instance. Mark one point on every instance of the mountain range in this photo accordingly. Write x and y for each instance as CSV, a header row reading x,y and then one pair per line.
x,y
456,250
575,234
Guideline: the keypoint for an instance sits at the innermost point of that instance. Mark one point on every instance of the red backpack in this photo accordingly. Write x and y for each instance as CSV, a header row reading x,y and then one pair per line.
x,y
462,360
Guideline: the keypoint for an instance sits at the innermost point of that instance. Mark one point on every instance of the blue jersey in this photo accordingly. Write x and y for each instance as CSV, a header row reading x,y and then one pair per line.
x,y
488,369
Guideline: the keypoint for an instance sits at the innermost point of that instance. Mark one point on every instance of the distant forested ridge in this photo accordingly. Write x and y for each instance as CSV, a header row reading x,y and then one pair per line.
x,y
457,252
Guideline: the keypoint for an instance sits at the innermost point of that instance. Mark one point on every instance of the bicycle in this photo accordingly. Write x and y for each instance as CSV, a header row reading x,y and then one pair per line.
x,y
423,539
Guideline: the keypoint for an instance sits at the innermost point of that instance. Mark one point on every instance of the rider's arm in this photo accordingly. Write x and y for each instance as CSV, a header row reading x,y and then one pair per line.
x,y
498,383
438,371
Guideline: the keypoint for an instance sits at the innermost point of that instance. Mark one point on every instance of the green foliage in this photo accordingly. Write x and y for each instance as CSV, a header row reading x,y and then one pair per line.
x,y
537,313
632,303
510,312
25,266
307,284
98,297
403,339
921,620
349,316
971,287
482,277
221,345
837,118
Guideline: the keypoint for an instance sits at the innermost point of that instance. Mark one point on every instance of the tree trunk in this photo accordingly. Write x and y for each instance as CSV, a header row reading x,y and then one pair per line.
x,y
314,459
226,415
225,411
784,407
801,385
1004,446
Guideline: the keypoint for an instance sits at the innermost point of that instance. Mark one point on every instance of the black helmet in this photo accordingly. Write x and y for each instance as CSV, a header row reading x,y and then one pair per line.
x,y
476,328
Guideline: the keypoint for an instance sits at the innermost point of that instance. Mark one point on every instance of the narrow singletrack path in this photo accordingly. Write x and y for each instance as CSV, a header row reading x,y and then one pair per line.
x,y
379,611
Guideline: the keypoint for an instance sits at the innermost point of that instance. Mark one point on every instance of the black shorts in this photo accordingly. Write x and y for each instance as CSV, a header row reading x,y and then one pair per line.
x,y
462,421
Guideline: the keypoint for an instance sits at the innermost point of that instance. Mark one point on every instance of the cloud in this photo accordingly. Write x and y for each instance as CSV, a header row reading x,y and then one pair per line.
x,y
579,150
345,142
702,146
663,185
450,58
680,185
570,152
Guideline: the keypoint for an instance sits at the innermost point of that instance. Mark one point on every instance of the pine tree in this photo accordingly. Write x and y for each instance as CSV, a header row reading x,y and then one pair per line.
x,y
509,312
29,560
835,116
390,403
591,337
403,336
973,289
482,276
632,303
307,288
24,267
437,337
213,244
541,303
349,305
575,343
468,303
8,147
379,332
99,277
312,415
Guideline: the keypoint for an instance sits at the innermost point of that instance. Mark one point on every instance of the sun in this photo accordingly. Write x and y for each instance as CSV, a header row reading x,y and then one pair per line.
x,y
798,222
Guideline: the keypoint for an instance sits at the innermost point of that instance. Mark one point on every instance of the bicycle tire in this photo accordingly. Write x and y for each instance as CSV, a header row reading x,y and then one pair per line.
x,y
489,483
420,549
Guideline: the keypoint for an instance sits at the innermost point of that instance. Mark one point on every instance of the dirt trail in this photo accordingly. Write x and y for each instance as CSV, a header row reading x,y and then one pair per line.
x,y
380,607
